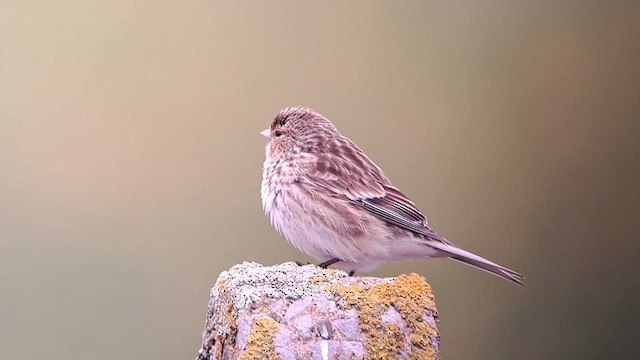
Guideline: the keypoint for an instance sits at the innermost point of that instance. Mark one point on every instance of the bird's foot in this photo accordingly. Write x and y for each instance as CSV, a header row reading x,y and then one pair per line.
x,y
301,263
328,263
352,272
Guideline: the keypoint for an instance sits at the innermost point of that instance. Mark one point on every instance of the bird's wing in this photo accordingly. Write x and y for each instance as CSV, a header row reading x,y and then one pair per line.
x,y
402,213
351,175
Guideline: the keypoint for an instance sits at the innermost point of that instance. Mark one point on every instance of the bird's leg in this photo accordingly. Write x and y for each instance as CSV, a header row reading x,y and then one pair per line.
x,y
300,263
328,263
352,272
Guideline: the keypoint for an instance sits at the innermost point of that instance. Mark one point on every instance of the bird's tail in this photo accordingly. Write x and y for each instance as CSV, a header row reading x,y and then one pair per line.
x,y
481,263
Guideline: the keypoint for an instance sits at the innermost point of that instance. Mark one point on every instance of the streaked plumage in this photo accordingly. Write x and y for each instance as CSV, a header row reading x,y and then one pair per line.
x,y
332,202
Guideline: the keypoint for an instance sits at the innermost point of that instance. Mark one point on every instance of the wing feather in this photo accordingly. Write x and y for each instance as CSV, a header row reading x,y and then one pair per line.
x,y
350,175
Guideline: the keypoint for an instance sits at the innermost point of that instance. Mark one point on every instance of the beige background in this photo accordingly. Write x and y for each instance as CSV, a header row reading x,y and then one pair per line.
x,y
130,162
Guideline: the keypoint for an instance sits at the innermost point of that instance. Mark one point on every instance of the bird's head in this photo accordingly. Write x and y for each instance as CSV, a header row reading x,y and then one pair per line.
x,y
298,130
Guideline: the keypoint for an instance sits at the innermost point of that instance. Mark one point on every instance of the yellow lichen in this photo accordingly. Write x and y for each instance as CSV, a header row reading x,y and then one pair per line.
x,y
231,319
260,340
319,279
219,344
410,295
220,284
324,276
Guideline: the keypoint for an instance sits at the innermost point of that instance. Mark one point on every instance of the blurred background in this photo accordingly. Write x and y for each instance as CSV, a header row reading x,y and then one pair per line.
x,y
130,162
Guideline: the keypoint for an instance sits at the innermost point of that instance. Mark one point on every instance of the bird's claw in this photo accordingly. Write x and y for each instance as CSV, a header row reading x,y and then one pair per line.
x,y
326,264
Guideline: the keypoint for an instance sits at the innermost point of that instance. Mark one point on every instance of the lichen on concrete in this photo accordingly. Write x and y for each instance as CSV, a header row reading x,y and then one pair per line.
x,y
411,296
289,312
260,342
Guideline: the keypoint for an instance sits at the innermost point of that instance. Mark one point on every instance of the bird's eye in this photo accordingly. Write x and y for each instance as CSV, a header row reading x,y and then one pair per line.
x,y
277,133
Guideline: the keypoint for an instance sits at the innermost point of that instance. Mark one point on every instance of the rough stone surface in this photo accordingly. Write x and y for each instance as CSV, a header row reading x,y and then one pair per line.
x,y
289,311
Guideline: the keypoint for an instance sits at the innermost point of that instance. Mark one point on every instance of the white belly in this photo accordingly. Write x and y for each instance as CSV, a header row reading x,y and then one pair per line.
x,y
298,217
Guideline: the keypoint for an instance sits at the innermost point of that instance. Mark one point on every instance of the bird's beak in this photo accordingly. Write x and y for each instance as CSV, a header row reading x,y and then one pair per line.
x,y
266,133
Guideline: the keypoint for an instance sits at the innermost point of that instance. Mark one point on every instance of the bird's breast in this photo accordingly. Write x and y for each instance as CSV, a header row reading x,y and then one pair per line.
x,y
277,179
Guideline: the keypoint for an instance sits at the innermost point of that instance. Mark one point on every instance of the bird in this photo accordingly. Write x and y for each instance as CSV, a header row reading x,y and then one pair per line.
x,y
332,202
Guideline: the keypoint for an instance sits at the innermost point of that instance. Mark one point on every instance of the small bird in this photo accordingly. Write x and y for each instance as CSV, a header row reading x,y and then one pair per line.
x,y
329,200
